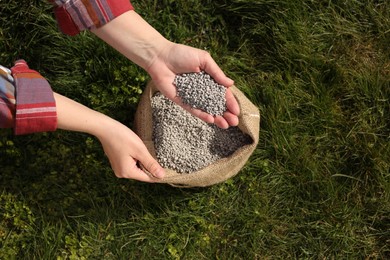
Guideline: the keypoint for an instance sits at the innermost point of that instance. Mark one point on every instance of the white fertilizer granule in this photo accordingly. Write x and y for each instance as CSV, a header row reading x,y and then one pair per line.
x,y
185,143
199,90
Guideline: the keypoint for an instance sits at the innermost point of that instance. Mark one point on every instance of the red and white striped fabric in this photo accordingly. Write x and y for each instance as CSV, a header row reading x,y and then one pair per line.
x,y
35,104
74,16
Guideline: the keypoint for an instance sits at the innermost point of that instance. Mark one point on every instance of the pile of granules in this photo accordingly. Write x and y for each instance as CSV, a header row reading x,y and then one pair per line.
x,y
185,143
199,90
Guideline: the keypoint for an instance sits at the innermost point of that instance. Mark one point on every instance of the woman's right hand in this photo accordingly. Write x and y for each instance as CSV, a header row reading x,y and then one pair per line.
x,y
123,147
126,151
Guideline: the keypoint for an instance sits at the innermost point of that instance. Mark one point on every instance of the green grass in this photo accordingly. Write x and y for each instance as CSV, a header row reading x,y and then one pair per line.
x,y
317,186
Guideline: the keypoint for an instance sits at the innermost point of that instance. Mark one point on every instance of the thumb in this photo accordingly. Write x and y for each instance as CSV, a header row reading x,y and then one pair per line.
x,y
151,166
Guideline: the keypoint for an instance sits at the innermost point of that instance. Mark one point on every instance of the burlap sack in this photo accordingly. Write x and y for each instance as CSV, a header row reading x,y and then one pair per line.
x,y
216,172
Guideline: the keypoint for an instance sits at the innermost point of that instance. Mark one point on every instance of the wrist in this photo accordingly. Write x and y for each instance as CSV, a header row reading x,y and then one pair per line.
x,y
133,37
74,116
104,128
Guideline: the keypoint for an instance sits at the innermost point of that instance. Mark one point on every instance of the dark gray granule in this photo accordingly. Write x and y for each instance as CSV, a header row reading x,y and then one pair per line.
x,y
199,90
185,143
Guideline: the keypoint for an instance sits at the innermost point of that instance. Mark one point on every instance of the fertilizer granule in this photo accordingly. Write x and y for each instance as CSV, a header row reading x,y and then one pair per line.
x,y
185,143
199,90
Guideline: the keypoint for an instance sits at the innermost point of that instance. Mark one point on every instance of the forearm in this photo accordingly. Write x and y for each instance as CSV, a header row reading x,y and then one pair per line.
x,y
121,145
74,116
132,36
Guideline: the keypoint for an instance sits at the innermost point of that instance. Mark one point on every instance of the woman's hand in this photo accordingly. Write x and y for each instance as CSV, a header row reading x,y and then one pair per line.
x,y
123,147
132,36
176,59
125,150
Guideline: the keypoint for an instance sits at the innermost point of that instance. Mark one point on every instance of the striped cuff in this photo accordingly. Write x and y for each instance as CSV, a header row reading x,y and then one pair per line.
x,y
74,16
35,104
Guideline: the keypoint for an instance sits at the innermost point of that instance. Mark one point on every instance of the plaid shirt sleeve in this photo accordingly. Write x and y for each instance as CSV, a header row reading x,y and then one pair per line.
x,y
27,103
74,16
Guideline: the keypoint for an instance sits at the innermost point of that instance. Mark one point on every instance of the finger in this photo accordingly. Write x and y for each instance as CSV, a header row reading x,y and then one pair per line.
x,y
151,165
130,170
221,122
170,92
211,67
231,103
230,118
138,174
195,112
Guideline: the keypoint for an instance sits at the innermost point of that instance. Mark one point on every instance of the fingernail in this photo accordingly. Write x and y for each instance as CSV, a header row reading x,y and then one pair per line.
x,y
231,82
